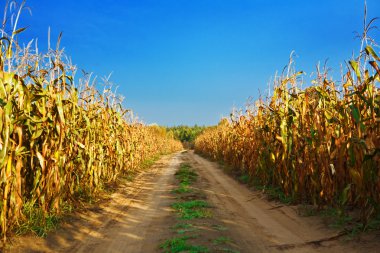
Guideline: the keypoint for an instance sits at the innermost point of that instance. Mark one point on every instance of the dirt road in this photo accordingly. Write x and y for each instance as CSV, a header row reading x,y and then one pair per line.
x,y
138,217
134,220
259,225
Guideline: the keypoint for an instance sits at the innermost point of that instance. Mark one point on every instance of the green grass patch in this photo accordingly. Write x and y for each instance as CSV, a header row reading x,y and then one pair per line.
x,y
228,250
186,210
186,177
219,227
273,193
339,219
128,176
192,209
222,240
245,179
185,174
373,223
307,210
181,244
277,194
186,230
182,188
182,228
37,222
149,162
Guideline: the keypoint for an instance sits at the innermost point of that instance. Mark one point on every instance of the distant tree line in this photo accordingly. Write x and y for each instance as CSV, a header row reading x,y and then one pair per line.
x,y
186,134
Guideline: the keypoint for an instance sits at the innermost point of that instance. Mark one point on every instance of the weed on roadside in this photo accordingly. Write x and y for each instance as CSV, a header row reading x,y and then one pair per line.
x,y
272,192
307,210
37,222
244,178
341,219
219,227
147,163
182,188
182,228
228,250
222,240
180,244
192,209
201,234
186,177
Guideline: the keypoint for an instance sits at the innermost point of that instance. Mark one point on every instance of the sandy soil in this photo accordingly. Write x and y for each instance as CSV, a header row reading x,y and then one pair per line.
x,y
138,218
262,226
134,220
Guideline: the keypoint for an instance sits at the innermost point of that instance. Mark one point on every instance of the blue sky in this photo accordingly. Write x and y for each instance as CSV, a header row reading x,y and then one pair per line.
x,y
191,61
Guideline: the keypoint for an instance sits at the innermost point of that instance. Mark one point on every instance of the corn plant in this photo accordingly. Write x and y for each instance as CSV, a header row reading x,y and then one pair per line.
x,y
59,138
320,144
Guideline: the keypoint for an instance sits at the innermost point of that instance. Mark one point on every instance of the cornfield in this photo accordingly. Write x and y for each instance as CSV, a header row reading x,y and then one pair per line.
x,y
319,145
59,139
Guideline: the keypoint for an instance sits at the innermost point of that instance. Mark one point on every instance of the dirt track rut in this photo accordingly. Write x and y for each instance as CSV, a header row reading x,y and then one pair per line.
x,y
137,227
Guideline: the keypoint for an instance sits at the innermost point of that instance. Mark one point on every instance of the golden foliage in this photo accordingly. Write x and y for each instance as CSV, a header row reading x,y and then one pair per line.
x,y
56,139
319,144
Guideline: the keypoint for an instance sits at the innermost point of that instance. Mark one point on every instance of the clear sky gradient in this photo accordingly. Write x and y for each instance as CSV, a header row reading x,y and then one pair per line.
x,y
191,61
